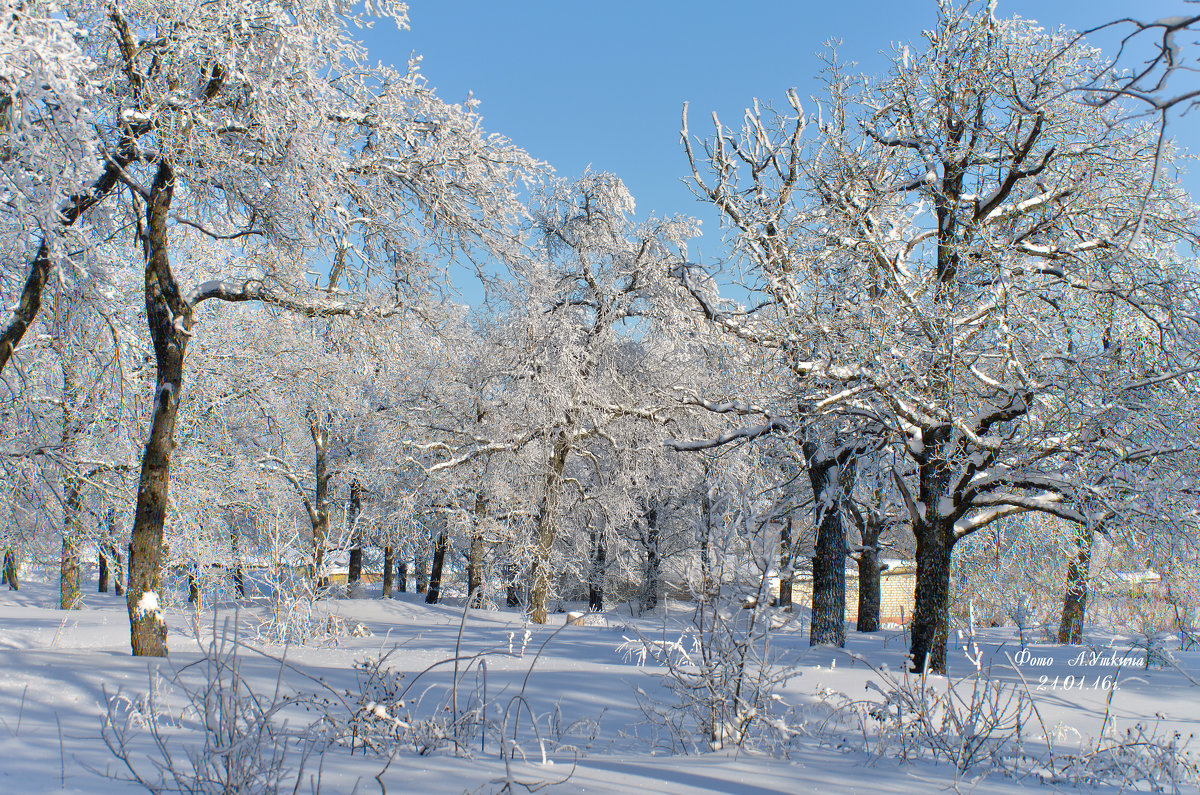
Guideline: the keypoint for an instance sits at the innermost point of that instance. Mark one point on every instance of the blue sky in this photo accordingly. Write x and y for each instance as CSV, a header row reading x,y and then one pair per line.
x,y
602,83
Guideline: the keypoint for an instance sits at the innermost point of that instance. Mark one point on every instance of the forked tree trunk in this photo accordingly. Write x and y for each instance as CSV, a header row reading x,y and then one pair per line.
x,y
439,562
547,529
388,571
1070,629
354,574
596,581
10,570
169,318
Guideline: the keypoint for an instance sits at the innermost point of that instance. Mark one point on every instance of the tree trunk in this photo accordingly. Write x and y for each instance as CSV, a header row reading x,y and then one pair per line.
x,y
239,576
475,559
869,590
706,578
68,593
832,480
787,565
10,570
1070,629
119,575
402,575
102,574
110,554
69,570
935,547
422,572
650,582
193,585
512,594
547,528
596,581
169,319
69,579
354,575
931,613
439,561
388,562
320,436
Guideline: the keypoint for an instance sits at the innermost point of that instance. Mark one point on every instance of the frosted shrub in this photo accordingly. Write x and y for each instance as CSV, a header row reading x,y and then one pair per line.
x,y
229,738
978,723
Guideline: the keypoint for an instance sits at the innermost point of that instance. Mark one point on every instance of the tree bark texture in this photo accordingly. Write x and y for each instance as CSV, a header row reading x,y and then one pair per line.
x,y
787,565
832,479
169,319
402,575
389,561
1070,629
320,514
10,570
869,590
422,574
439,562
935,546
512,591
650,580
110,554
475,558
69,573
102,573
547,528
354,575
72,533
870,529
599,564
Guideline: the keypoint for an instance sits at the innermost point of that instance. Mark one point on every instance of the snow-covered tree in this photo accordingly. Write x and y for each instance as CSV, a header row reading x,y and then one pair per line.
x,y
968,220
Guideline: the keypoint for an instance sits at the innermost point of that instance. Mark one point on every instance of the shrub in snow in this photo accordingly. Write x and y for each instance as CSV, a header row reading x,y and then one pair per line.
x,y
976,722
229,738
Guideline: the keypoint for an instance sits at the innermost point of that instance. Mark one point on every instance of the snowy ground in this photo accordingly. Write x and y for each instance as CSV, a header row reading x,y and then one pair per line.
x,y
56,667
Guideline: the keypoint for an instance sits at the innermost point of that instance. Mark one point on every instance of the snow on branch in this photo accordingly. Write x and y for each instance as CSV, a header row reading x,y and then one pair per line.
x,y
254,290
738,434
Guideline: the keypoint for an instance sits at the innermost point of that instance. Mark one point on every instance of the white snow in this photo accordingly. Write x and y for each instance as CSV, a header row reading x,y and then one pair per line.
x,y
56,668
148,603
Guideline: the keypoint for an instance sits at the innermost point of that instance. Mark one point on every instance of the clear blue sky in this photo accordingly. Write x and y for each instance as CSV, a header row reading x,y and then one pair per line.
x,y
602,83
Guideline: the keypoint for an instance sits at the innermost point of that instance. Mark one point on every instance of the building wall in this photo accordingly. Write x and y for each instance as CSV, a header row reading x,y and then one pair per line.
x,y
897,588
